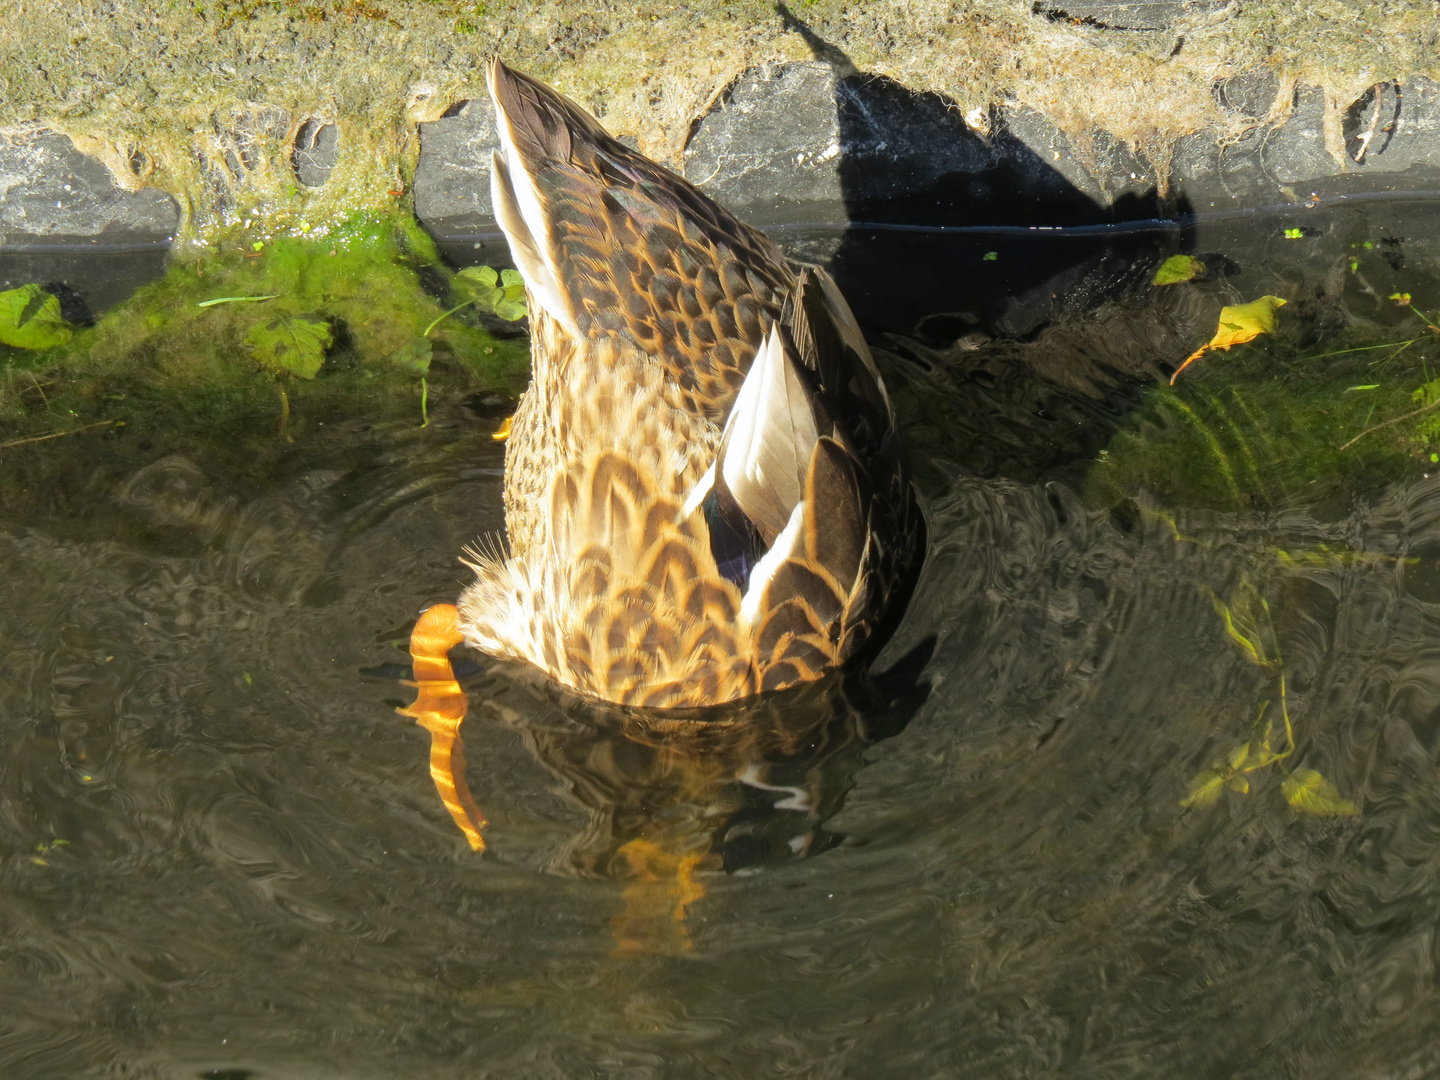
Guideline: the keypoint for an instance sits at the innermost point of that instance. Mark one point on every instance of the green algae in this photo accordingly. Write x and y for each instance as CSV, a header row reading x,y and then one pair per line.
x,y
1274,427
170,368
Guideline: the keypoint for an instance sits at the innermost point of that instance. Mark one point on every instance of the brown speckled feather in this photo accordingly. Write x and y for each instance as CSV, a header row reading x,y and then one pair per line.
x,y
687,525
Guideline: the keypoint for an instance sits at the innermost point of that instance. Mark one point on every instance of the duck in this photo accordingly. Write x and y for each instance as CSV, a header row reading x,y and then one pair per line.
x,y
706,493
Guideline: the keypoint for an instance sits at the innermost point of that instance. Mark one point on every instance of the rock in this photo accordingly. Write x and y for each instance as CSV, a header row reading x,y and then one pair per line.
x,y
1126,14
805,142
51,192
1294,153
1405,134
1251,94
772,142
316,151
1100,166
452,178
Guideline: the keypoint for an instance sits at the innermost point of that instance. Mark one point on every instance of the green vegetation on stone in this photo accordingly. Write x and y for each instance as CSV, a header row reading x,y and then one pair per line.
x,y
338,333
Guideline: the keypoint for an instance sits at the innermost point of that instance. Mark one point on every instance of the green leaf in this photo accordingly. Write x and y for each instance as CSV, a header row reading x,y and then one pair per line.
x,y
414,355
1179,268
511,310
292,345
1294,234
502,291
30,319
481,275
1310,793
990,256
1206,788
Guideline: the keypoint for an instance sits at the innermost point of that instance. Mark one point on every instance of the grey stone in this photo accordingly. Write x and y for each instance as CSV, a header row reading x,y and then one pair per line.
x,y
316,152
452,177
774,142
807,142
1126,14
49,190
1294,152
1251,94
1099,166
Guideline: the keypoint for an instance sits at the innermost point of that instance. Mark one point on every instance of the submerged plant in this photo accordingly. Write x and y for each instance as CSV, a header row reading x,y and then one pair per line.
x,y
1249,626
291,347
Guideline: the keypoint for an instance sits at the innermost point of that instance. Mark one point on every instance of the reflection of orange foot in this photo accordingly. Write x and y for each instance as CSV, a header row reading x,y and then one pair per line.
x,y
440,709
661,887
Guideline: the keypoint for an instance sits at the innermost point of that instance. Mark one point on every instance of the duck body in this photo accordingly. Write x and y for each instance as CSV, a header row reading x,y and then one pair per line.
x,y
705,492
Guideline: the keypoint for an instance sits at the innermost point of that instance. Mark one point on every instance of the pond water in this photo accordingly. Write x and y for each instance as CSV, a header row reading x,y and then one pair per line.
x,y
222,854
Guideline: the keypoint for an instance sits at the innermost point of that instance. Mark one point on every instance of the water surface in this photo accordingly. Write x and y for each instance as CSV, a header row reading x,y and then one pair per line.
x,y
222,854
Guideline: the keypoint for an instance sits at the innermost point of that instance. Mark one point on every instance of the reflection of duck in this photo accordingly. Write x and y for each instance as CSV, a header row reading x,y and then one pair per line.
x,y
675,793
705,492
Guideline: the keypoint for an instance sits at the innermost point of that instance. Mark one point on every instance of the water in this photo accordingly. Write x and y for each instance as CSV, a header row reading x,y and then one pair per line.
x,y
222,854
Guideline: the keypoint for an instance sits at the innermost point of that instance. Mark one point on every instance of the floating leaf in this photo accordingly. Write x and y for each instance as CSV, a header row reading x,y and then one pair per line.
x,y
414,355
293,345
1310,793
1238,324
1178,268
1206,788
1294,234
1402,299
511,278
990,256
30,319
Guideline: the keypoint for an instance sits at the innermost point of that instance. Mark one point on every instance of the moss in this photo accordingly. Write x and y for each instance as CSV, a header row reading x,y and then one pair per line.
x,y
168,372
151,88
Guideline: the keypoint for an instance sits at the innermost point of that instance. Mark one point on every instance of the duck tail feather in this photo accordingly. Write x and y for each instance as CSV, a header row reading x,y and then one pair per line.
x,y
768,438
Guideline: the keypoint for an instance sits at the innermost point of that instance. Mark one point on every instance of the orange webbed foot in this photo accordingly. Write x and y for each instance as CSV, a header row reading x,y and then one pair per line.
x,y
440,708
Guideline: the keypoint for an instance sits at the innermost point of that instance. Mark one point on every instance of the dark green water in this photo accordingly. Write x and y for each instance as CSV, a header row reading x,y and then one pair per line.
x,y
221,853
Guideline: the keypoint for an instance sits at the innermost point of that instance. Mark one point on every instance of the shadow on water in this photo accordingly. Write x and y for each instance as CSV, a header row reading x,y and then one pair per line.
x,y
964,232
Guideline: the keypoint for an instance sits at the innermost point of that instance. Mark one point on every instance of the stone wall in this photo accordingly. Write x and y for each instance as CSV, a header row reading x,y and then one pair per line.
x,y
807,134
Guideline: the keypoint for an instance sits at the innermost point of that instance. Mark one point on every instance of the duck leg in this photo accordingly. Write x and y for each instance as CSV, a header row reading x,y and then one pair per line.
x,y
439,708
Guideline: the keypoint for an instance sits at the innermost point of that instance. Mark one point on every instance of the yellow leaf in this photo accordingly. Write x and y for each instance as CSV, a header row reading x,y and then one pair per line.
x,y
1239,323
1205,788
1239,783
1311,793
1238,755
